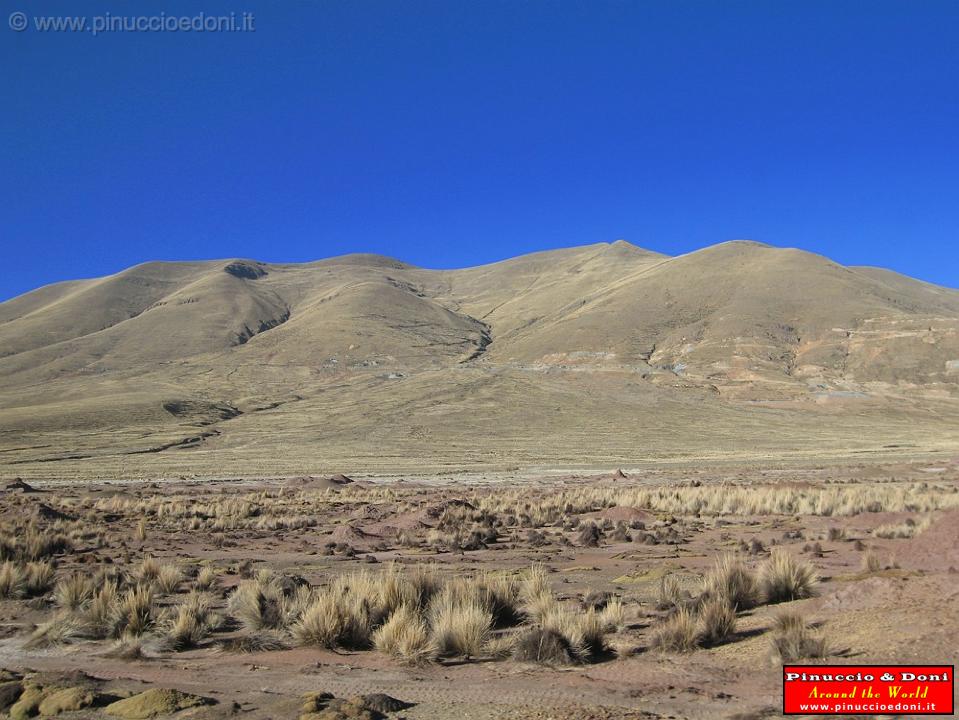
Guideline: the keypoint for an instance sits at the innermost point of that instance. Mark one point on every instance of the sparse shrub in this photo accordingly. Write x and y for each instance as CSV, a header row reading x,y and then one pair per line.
x,y
731,580
542,646
597,600
141,531
836,533
534,538
678,633
783,578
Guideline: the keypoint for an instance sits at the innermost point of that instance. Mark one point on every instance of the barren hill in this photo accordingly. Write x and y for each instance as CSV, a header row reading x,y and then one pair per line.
x,y
594,356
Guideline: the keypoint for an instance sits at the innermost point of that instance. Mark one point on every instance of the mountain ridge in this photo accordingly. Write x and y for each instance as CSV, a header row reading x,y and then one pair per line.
x,y
702,337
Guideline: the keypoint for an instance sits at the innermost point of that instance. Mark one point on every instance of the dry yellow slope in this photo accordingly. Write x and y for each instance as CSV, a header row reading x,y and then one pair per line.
x,y
592,356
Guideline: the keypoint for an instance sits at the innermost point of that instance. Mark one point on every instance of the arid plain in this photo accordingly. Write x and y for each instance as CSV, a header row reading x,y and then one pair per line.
x,y
596,482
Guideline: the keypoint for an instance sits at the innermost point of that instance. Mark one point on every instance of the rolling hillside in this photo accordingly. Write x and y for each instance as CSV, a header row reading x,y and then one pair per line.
x,y
595,356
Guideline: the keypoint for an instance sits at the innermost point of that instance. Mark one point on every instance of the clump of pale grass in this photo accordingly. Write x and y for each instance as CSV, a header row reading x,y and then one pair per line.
x,y
678,633
148,571
406,636
74,592
501,646
906,529
38,544
104,611
206,579
783,578
39,577
536,594
12,580
613,616
63,627
544,647
128,647
193,622
134,613
717,621
322,623
459,627
584,631
733,581
793,640
254,642
671,593
258,604
168,579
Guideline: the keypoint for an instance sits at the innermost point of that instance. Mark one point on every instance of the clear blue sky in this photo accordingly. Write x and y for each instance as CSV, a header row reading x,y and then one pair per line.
x,y
452,133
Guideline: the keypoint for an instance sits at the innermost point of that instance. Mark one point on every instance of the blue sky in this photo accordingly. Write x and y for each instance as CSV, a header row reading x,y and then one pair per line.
x,y
454,133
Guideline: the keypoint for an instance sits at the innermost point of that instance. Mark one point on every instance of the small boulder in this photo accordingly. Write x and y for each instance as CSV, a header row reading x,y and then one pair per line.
x,y
383,703
153,703
28,704
19,485
66,700
9,693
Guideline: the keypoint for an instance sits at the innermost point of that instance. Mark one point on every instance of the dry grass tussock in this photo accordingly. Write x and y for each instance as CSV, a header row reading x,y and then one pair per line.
x,y
194,621
732,499
678,633
731,580
783,578
74,592
792,640
406,636
906,529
